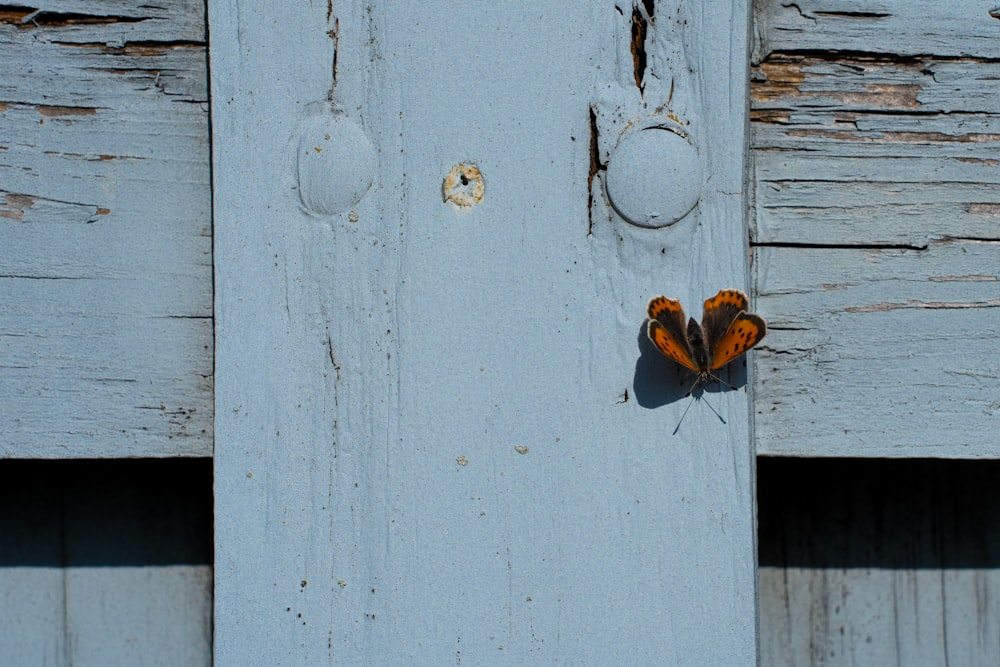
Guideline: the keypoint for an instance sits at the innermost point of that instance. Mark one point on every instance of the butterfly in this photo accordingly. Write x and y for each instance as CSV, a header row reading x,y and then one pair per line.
x,y
726,331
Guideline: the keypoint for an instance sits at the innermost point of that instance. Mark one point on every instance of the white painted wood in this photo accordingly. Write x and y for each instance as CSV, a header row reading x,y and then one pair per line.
x,y
105,274
876,187
424,449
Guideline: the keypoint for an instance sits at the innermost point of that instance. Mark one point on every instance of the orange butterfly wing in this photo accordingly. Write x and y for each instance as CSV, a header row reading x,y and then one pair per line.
x,y
729,329
720,311
667,330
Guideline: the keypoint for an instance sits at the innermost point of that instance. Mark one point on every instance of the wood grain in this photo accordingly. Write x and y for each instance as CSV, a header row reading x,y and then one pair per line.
x,y
442,435
106,308
900,27
875,141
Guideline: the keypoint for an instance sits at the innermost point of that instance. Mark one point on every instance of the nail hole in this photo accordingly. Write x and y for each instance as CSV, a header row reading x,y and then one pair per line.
x,y
464,185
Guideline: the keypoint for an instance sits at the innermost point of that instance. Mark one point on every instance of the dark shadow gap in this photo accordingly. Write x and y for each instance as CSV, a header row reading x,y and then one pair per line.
x,y
106,513
878,513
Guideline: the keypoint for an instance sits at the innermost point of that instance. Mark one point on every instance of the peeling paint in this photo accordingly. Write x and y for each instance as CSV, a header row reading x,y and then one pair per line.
x,y
464,185
897,137
802,77
137,49
640,26
55,112
965,279
27,18
14,206
936,305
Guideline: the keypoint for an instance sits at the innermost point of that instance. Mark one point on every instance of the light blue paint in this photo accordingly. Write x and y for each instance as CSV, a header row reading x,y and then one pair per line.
x,y
887,349
106,307
106,346
422,452
876,203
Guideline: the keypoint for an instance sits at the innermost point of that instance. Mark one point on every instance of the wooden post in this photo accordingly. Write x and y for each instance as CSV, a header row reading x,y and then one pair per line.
x,y
441,435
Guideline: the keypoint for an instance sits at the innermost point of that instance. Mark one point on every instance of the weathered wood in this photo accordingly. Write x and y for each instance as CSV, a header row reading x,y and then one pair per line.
x,y
879,352
435,442
952,29
106,307
869,562
876,202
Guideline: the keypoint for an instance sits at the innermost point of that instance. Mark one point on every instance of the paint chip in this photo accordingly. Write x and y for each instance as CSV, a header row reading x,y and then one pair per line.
x,y
464,185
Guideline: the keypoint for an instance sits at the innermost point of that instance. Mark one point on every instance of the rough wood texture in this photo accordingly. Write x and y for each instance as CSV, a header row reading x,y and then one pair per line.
x,y
431,444
876,135
874,562
105,270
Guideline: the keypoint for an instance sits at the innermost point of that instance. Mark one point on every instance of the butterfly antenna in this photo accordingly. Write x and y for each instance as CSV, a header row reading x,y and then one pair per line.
x,y
690,403
698,379
710,407
693,399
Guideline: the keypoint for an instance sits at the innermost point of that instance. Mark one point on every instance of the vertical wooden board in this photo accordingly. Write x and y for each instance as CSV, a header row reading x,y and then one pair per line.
x,y
276,373
436,434
105,315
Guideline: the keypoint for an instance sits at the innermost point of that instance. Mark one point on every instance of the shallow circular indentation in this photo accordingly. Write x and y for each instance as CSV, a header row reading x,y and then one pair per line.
x,y
336,163
653,177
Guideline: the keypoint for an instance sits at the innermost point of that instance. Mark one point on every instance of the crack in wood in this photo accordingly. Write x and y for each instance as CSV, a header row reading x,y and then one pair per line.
x,y
22,276
138,48
642,17
31,17
849,57
838,246
595,166
14,207
853,14
63,111
334,34
895,137
929,305
964,279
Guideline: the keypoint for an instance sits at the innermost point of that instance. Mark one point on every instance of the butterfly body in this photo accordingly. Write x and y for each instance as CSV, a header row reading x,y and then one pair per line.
x,y
726,331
